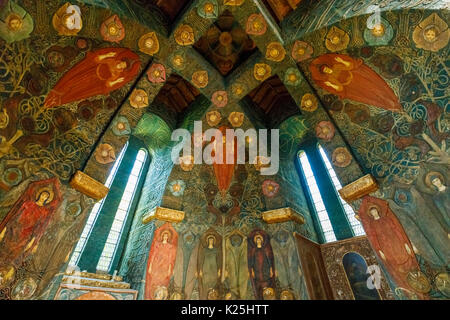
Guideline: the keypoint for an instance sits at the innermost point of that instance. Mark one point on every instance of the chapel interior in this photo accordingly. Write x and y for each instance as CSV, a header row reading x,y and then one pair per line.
x,y
351,96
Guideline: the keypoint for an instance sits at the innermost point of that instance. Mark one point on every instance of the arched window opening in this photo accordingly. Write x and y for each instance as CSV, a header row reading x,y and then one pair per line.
x,y
354,223
94,212
116,231
316,198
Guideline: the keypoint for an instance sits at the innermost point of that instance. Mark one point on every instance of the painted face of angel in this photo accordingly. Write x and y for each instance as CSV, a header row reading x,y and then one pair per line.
x,y
437,182
374,213
165,237
211,241
121,65
259,241
72,20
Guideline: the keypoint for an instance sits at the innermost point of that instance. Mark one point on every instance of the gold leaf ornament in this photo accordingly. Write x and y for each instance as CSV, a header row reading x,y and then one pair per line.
x,y
184,35
149,43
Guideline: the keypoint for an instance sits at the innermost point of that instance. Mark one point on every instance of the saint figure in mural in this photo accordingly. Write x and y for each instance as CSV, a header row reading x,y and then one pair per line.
x,y
26,222
99,73
161,261
350,78
261,264
236,272
389,240
441,198
287,264
209,263
356,271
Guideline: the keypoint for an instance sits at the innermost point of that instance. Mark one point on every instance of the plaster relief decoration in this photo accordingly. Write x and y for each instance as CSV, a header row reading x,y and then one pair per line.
x,y
359,188
88,186
67,20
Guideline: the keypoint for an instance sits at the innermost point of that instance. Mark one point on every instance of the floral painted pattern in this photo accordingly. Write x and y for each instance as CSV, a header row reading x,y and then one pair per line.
x,y
177,187
112,29
157,73
105,154
270,188
325,130
301,51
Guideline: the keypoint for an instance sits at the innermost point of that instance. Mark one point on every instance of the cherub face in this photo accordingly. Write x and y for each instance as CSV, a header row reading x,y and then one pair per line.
x,y
15,23
42,198
430,35
437,182
374,213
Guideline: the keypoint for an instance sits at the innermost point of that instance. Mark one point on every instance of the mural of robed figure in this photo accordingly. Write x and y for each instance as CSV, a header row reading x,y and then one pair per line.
x,y
389,240
350,78
99,73
261,264
161,261
236,271
26,222
209,263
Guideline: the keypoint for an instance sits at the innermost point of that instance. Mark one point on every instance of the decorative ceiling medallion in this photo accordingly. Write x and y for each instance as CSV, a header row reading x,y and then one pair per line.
x,y
121,126
187,163
238,90
178,60
208,9
256,25
270,188
236,119
112,29
213,118
309,102
378,32
184,35
301,51
336,39
275,52
341,157
262,71
292,77
18,24
67,20
200,79
104,154
325,130
149,43
177,187
139,99
157,73
233,2
431,34
220,99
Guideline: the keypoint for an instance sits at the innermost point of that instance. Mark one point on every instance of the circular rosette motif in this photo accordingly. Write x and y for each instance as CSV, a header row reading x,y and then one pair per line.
x,y
177,60
378,32
262,71
341,157
184,35
325,130
236,119
112,29
256,25
301,51
17,24
213,118
149,43
157,73
121,126
208,9
139,99
309,103
270,188
200,79
105,154
220,99
177,187
275,52
237,89
187,163
12,176
336,39
292,77
431,34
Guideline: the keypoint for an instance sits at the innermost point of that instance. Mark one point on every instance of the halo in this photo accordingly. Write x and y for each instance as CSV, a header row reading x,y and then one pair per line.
x,y
428,178
371,206
258,236
48,189
209,237
166,232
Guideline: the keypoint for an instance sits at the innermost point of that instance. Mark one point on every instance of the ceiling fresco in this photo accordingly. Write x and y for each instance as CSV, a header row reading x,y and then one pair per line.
x,y
77,79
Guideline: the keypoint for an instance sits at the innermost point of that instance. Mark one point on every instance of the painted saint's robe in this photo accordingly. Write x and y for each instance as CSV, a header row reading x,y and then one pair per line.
x,y
261,264
99,73
27,220
350,78
209,265
161,260
236,271
389,241
287,264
